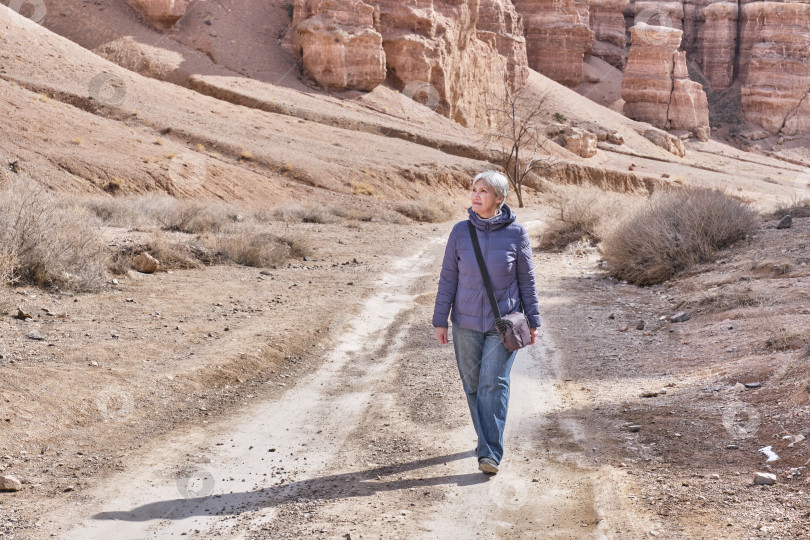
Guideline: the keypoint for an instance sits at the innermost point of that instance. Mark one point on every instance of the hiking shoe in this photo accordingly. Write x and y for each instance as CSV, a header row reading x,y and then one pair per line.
x,y
487,466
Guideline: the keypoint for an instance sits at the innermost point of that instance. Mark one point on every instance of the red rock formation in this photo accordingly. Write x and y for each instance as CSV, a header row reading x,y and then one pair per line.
x,y
775,66
718,44
338,44
464,49
656,86
500,25
557,37
161,13
607,22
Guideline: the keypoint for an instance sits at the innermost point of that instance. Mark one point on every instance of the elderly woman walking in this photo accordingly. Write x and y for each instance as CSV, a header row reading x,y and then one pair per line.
x,y
483,361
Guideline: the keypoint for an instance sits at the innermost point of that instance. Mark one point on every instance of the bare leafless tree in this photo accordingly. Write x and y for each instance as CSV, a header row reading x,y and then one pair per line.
x,y
517,133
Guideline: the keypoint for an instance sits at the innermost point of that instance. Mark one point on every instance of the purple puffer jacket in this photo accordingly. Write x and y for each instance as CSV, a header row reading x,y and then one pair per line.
x,y
508,254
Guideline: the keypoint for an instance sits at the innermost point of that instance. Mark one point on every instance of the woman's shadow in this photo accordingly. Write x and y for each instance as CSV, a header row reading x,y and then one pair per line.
x,y
339,486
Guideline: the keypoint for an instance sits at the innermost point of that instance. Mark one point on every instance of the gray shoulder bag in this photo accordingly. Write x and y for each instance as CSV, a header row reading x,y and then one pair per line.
x,y
513,328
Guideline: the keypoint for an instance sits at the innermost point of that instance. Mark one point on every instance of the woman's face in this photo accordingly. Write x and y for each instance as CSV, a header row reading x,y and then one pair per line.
x,y
484,201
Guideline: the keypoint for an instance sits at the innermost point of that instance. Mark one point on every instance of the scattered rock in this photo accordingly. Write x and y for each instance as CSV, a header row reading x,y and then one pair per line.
x,y
36,335
671,144
640,325
22,315
611,316
634,428
145,263
785,223
739,387
753,384
703,133
714,477
679,317
10,483
614,138
579,142
649,394
764,479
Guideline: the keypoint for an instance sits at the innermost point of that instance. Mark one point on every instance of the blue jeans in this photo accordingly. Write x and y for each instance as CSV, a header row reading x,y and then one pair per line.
x,y
484,365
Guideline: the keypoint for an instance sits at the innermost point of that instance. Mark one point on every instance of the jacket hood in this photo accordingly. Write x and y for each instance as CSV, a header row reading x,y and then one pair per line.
x,y
505,218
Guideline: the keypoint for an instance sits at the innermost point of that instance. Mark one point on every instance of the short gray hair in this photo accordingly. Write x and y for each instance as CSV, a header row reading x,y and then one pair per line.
x,y
495,181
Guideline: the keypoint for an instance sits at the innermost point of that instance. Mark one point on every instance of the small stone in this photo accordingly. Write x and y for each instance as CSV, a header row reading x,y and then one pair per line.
x,y
753,384
68,489
739,387
611,316
785,223
21,315
732,447
649,394
714,477
35,335
10,483
145,263
623,328
634,428
764,479
640,325
679,317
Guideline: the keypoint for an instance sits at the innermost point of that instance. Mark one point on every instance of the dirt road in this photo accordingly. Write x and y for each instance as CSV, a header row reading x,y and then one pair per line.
x,y
375,443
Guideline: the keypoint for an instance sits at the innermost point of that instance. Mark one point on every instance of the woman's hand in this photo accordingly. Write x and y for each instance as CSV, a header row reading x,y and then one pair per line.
x,y
532,332
441,335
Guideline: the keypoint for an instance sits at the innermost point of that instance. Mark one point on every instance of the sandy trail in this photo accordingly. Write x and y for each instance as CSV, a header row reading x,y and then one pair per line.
x,y
300,466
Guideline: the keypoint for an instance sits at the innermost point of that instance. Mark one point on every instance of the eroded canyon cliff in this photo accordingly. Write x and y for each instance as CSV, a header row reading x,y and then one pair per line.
x,y
459,53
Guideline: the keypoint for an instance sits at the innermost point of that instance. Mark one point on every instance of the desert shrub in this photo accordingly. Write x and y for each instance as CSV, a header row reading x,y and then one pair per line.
x,y
351,213
579,214
299,245
776,268
45,243
303,213
797,208
424,210
575,218
673,231
172,255
252,248
728,300
786,341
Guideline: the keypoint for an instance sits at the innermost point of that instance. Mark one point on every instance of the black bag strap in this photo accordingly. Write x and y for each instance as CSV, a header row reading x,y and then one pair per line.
x,y
485,274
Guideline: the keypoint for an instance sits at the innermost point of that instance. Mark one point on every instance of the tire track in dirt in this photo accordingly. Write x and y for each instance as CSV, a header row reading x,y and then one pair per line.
x,y
270,454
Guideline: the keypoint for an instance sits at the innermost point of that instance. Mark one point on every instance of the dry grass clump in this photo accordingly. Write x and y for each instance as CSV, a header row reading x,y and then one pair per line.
x,y
580,214
776,268
425,210
161,211
251,249
786,340
728,300
797,208
303,213
674,231
45,243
